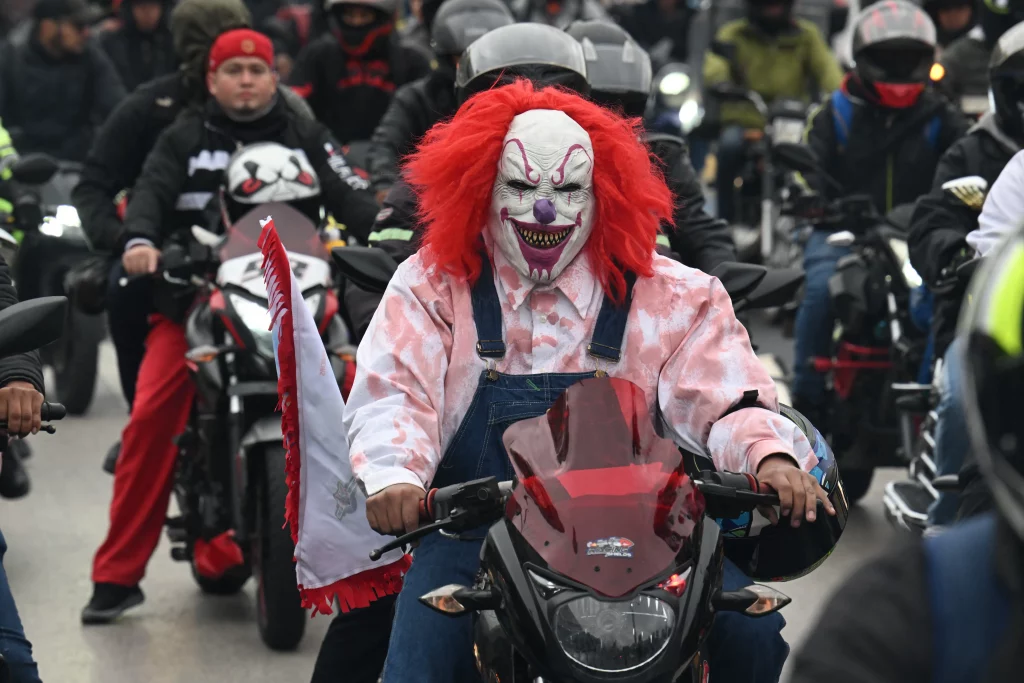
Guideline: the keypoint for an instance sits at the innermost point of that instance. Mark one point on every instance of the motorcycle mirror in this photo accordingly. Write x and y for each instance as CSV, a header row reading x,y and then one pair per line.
x,y
777,288
206,237
797,156
843,238
454,600
34,169
368,267
30,325
739,279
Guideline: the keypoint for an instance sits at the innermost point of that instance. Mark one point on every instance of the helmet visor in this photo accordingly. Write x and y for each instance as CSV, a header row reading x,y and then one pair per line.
x,y
895,63
617,68
519,45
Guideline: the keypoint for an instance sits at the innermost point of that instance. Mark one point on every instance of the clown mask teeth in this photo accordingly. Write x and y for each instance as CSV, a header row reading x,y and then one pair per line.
x,y
543,198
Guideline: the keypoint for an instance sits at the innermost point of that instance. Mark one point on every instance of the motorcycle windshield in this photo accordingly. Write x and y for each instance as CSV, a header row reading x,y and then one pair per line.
x,y
601,497
297,233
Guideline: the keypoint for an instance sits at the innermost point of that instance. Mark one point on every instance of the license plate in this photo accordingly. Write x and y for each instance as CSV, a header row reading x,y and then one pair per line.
x,y
973,105
787,130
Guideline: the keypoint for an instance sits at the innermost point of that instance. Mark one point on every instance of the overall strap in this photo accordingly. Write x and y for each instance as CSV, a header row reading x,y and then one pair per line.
x,y
487,313
969,606
611,325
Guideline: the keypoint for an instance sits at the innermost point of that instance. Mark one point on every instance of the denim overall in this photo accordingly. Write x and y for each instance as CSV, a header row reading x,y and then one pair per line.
x,y
428,647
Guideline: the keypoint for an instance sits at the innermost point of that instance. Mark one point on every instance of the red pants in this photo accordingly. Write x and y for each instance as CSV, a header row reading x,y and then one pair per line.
x,y
145,469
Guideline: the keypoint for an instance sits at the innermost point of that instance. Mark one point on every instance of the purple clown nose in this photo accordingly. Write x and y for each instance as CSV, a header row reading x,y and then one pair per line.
x,y
544,211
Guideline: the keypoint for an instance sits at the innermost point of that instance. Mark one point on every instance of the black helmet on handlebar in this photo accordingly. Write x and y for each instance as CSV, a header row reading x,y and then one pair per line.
x,y
893,51
1006,81
538,52
459,22
618,69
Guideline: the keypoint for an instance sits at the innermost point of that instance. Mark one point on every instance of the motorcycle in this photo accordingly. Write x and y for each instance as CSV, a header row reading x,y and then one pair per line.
x,y
875,344
676,106
603,561
53,245
907,502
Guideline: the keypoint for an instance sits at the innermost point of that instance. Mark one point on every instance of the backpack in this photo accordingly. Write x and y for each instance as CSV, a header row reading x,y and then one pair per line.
x,y
969,608
842,117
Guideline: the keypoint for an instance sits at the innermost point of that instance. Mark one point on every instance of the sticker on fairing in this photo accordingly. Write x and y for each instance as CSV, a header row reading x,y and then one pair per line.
x,y
614,546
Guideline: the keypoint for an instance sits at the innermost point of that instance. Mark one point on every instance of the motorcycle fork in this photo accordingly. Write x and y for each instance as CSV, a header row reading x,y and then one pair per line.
x,y
236,422
767,205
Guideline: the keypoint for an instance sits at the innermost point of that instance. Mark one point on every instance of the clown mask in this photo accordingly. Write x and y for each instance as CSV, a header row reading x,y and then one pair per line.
x,y
543,197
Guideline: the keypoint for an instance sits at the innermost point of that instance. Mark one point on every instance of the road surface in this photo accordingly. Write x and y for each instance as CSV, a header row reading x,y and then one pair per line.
x,y
182,636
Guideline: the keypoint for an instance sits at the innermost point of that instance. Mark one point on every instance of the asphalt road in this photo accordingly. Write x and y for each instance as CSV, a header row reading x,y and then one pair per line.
x,y
182,636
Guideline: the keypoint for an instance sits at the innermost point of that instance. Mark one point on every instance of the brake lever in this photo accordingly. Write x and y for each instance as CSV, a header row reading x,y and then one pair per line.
x,y
408,539
48,428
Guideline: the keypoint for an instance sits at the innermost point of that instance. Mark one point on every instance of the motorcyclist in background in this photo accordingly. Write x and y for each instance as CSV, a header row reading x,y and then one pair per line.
x,y
941,222
419,105
112,167
963,66
656,20
349,75
142,47
57,86
881,135
558,13
619,73
775,55
179,179
952,19
948,607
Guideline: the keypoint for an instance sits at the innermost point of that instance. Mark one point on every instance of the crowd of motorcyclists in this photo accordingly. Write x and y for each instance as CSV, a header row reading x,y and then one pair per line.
x,y
155,99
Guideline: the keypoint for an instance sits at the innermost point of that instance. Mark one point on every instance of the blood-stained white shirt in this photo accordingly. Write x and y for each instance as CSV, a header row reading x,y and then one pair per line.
x,y
417,366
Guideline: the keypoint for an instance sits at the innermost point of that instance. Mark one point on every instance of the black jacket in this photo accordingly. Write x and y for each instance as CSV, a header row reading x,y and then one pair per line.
x,y
941,221
24,367
413,110
140,57
350,95
186,169
53,106
877,628
887,154
966,66
113,166
649,25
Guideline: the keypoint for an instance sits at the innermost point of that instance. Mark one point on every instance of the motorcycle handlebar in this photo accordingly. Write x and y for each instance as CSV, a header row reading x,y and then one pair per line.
x,y
51,412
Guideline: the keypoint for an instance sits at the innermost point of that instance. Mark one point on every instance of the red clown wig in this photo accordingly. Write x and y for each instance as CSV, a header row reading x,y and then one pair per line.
x,y
454,168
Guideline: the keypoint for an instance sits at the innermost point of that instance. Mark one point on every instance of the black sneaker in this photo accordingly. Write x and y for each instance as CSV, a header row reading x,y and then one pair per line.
x,y
14,481
109,601
110,462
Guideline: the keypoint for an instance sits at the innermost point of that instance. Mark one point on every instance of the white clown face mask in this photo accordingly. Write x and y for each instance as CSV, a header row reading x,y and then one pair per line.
x,y
543,201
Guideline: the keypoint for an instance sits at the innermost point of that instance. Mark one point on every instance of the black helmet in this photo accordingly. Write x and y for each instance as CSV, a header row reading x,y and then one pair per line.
x,y
893,51
1006,81
936,7
618,70
538,52
999,16
459,22
992,363
771,16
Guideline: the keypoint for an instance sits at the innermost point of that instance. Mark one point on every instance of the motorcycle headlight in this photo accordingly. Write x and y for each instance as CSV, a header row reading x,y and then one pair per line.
x,y
674,83
690,116
257,318
613,636
65,223
899,247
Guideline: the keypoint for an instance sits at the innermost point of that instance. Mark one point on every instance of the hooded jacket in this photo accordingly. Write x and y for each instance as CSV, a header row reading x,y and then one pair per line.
x,y
140,57
113,166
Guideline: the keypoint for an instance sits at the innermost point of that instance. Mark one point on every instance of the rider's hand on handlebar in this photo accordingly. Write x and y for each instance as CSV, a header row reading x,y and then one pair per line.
x,y
395,510
798,491
20,406
142,259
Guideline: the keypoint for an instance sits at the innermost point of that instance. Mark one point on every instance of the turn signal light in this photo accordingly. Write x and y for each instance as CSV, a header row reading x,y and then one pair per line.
x,y
768,600
443,599
676,584
202,354
938,72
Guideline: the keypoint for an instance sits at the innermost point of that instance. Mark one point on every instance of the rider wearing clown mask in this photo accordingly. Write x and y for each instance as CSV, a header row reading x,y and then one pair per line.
x,y
538,269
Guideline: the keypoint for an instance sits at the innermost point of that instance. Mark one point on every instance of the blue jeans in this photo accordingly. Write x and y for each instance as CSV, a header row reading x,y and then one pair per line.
x,y
731,152
951,440
14,646
815,319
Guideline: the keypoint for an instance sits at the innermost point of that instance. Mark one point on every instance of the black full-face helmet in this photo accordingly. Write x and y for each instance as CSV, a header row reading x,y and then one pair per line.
x,y
459,22
771,16
893,51
538,52
618,69
1006,81
992,362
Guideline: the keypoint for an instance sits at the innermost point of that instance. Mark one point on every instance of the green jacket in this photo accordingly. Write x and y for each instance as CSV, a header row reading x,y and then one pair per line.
x,y
796,64
7,157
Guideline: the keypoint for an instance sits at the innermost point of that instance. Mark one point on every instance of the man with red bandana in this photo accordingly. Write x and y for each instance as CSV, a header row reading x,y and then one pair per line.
x,y
881,134
349,74
538,269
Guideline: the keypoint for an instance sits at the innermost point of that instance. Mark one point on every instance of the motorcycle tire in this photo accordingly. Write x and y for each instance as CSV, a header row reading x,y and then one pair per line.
x,y
280,616
856,483
75,359
229,584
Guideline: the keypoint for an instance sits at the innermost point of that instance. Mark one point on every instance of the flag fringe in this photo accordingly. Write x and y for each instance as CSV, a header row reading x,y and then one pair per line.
x,y
358,590
278,276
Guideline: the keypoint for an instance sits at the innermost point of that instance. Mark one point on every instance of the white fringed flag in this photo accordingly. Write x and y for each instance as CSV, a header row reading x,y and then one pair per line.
x,y
325,507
